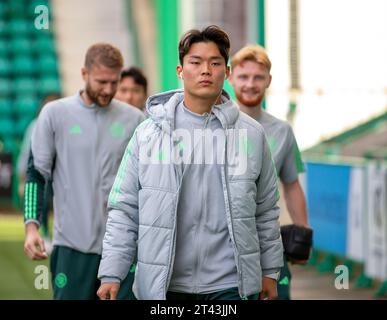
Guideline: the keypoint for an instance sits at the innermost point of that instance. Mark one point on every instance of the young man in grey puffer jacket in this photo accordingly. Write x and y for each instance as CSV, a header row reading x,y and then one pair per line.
x,y
195,198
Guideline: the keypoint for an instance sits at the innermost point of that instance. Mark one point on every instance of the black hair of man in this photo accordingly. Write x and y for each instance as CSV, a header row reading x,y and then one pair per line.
x,y
211,33
137,75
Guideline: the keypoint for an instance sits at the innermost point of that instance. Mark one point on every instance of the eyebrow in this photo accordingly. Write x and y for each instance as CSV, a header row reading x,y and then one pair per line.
x,y
103,80
211,58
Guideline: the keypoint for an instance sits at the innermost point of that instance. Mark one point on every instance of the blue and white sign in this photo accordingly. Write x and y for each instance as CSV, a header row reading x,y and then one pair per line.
x,y
327,196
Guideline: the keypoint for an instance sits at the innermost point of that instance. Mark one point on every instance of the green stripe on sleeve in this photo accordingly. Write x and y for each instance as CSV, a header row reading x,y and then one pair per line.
x,y
122,169
30,190
34,205
26,201
120,175
297,157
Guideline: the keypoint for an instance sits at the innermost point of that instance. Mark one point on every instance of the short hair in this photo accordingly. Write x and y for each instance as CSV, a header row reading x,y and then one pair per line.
x,y
104,54
209,34
137,75
51,96
254,53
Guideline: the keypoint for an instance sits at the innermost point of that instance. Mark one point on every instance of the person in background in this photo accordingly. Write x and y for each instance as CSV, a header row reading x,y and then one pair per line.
x,y
78,143
133,88
250,79
22,163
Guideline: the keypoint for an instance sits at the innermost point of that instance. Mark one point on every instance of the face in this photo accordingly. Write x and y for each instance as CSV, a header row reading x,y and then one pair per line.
x,y
131,92
250,81
101,83
203,72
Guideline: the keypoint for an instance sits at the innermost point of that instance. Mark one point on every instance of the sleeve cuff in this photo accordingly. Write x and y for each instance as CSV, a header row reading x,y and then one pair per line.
x,y
32,221
110,280
267,272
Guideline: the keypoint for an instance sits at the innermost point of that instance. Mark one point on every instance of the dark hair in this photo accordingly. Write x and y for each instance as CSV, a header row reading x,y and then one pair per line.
x,y
51,96
105,54
137,76
209,34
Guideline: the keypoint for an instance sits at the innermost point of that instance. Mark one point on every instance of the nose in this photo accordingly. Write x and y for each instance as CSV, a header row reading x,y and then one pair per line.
x,y
250,82
109,89
129,97
206,70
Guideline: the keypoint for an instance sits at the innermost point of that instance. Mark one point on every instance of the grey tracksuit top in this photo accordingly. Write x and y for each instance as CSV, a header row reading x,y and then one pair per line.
x,y
146,197
204,258
80,147
283,146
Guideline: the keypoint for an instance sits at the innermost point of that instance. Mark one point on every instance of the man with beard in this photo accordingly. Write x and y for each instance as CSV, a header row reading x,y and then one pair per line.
x,y
78,143
250,78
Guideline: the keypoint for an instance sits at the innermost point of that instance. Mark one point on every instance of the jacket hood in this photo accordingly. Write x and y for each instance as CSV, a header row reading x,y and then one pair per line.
x,y
161,109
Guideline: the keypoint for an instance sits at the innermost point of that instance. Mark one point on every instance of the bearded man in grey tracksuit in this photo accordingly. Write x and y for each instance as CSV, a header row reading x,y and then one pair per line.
x,y
78,143
195,198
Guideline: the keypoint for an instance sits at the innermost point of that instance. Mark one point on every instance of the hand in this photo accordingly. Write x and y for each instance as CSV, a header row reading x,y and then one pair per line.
x,y
108,291
34,244
269,289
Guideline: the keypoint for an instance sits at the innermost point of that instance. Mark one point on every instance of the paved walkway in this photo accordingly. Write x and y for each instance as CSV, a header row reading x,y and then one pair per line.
x,y
308,284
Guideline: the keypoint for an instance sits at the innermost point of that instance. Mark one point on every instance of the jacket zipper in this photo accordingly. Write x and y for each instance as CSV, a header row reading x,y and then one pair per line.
x,y
197,251
171,258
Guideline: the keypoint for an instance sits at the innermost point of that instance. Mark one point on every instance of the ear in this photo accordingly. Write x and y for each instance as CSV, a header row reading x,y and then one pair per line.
x,y
84,73
227,72
179,71
268,85
230,76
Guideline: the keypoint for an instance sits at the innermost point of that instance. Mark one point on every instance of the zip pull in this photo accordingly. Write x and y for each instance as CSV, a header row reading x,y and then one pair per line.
x,y
208,117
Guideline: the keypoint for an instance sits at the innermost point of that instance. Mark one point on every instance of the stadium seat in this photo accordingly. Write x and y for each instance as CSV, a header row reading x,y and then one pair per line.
x,y
5,87
47,65
24,65
48,85
34,3
19,27
3,29
27,86
6,127
20,45
3,47
26,105
17,9
3,10
44,45
5,107
5,67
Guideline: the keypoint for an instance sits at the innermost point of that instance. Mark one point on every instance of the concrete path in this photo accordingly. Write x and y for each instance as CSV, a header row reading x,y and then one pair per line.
x,y
308,284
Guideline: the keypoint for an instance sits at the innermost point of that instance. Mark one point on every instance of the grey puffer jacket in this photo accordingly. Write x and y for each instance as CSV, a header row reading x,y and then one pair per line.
x,y
144,198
